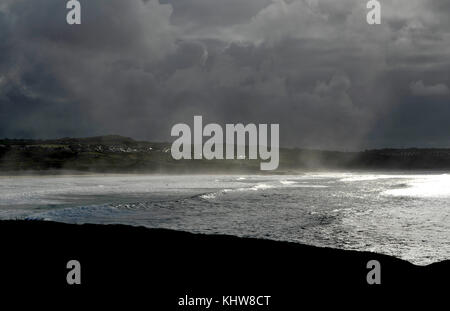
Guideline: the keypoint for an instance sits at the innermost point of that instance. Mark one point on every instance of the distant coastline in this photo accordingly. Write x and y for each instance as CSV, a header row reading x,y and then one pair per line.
x,y
117,154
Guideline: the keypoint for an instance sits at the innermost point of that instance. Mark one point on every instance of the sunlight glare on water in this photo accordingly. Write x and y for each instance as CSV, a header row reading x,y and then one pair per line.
x,y
425,186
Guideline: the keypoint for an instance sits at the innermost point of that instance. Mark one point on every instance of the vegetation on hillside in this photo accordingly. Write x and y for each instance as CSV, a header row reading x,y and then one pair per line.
x,y
122,154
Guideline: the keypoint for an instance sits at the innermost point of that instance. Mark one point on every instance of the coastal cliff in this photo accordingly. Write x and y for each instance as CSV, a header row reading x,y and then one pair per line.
x,y
160,266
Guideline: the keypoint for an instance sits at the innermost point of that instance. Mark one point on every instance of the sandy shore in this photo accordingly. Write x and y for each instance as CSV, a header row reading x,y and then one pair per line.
x,y
160,266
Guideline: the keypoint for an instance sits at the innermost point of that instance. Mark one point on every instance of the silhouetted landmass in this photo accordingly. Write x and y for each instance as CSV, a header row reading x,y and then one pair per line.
x,y
122,154
154,267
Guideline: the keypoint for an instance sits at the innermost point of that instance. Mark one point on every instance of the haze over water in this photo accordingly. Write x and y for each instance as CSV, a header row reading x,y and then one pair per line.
x,y
404,215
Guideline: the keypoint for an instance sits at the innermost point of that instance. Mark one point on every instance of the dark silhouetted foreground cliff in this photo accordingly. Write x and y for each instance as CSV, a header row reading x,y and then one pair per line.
x,y
154,268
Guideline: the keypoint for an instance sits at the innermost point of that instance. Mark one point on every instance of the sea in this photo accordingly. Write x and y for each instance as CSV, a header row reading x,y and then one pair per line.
x,y
406,215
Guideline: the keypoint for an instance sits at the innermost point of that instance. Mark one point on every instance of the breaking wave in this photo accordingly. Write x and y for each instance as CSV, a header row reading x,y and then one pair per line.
x,y
214,195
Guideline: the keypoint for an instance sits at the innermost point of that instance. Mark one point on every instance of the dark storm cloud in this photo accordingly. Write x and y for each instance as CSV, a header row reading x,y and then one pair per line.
x,y
137,67
201,13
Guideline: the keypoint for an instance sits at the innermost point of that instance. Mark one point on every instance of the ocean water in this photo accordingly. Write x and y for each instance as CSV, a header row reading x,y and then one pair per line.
x,y
404,215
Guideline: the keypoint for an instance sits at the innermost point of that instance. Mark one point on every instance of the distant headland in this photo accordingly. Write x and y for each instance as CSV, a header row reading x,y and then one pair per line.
x,y
117,154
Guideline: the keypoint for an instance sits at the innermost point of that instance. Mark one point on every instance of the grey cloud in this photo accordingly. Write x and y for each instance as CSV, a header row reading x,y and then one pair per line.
x,y
420,89
137,67
201,13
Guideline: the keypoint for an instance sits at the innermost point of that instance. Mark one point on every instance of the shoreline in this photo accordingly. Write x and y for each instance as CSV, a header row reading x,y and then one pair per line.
x,y
167,264
80,173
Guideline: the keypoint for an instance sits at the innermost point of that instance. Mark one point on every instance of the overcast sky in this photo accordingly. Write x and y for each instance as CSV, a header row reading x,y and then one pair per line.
x,y
136,68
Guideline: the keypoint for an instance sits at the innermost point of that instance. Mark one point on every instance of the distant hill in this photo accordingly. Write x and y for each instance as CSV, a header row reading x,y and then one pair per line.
x,y
115,153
